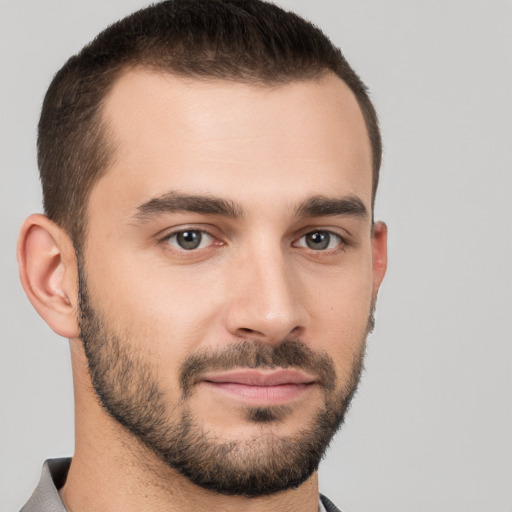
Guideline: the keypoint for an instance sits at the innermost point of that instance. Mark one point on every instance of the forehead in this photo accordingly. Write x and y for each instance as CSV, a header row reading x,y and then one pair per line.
x,y
218,137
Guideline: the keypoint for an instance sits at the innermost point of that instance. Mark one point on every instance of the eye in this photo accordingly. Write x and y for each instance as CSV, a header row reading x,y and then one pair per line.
x,y
190,239
320,240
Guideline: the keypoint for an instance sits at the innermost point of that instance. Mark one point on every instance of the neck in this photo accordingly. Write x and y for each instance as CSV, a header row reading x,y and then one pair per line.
x,y
112,471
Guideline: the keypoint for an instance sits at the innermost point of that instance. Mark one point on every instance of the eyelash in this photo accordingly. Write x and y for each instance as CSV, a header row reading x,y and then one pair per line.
x,y
340,241
202,232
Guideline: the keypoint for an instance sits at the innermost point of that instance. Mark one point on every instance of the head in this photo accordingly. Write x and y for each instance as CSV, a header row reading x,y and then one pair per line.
x,y
209,171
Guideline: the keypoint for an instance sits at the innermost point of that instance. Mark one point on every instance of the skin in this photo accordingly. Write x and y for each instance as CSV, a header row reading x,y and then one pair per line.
x,y
267,149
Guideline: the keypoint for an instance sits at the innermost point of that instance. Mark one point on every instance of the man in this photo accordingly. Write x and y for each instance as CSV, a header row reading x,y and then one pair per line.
x,y
209,171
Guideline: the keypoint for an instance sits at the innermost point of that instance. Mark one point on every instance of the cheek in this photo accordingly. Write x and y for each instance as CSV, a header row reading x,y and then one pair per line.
x,y
166,311
339,315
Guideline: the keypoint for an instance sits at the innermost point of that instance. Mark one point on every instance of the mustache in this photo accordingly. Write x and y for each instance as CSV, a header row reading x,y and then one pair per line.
x,y
255,354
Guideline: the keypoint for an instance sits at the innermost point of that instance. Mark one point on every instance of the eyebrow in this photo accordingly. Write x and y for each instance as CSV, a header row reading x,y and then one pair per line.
x,y
175,202
322,206
315,206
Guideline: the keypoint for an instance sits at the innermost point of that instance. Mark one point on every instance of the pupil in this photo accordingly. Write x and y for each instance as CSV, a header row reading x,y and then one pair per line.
x,y
318,240
189,239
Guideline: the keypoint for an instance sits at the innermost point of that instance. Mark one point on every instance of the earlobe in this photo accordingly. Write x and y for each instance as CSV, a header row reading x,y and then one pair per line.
x,y
379,254
48,273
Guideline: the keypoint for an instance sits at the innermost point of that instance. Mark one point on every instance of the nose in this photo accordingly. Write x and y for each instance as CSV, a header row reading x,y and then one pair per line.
x,y
266,303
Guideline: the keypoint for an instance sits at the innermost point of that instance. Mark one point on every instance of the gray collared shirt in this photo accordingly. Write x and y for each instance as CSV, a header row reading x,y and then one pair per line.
x,y
46,496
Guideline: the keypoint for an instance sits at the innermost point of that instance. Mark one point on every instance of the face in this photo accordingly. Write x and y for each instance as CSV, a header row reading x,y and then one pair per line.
x,y
228,276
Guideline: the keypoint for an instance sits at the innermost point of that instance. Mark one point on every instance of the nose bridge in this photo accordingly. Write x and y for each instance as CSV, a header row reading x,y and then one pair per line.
x,y
266,301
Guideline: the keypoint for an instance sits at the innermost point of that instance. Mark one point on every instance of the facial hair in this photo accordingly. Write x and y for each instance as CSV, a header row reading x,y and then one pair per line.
x,y
127,388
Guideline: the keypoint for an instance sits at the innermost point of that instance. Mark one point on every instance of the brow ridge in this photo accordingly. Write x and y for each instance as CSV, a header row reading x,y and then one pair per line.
x,y
176,202
322,206
314,206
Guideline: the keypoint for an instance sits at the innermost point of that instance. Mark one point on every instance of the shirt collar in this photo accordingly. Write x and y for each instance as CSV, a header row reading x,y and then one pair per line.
x,y
46,497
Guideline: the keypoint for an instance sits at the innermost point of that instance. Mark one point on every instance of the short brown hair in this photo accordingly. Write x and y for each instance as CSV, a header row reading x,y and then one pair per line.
x,y
241,40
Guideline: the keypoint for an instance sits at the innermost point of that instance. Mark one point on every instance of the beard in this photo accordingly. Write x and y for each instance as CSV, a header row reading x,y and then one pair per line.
x,y
126,384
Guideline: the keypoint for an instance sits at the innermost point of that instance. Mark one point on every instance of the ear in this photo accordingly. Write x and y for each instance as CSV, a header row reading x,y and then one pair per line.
x,y
48,273
379,254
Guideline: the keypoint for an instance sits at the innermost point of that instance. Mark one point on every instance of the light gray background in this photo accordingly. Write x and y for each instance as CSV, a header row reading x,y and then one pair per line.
x,y
431,427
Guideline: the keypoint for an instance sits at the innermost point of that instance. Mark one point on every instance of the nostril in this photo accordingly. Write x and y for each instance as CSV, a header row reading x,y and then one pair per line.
x,y
246,331
296,331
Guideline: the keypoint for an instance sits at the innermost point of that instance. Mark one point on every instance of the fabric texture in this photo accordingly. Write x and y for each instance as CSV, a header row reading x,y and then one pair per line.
x,y
327,504
46,497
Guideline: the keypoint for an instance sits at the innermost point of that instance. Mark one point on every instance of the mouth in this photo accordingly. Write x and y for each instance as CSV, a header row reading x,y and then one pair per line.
x,y
261,387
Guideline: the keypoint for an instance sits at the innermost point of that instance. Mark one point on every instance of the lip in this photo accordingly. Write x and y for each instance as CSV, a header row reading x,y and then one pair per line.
x,y
260,387
252,377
